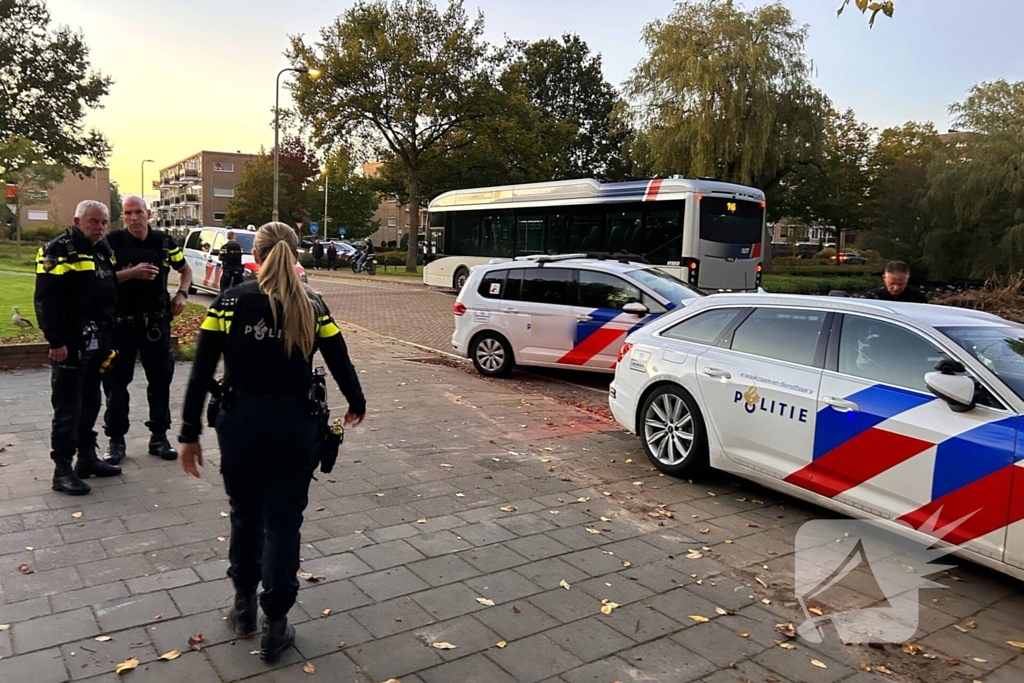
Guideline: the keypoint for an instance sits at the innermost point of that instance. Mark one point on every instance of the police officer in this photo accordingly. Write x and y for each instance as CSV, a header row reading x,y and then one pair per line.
x,y
75,296
895,279
231,262
267,331
143,257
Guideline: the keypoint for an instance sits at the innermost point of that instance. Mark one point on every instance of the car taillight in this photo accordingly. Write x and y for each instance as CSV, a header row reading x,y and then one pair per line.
x,y
624,351
459,308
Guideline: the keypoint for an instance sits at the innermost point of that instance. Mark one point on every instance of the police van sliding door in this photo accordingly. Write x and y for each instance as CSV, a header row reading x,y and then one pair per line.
x,y
761,392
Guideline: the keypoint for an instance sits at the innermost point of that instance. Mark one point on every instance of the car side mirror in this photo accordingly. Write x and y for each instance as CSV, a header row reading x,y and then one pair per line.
x,y
956,390
215,252
636,308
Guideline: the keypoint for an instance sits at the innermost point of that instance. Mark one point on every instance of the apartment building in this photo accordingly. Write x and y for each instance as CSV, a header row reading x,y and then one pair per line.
x,y
197,190
395,219
56,206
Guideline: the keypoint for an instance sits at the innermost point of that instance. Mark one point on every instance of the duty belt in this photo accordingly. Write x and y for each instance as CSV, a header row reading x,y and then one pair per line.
x,y
147,321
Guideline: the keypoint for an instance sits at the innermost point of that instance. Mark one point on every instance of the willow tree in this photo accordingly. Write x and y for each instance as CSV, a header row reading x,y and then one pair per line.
x,y
400,77
887,8
726,93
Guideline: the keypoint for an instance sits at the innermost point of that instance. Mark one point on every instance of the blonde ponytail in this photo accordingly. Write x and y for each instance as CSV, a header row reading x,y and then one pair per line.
x,y
276,244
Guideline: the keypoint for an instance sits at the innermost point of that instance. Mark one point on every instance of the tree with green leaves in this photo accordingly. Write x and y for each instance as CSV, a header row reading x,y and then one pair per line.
x,y
726,93
976,187
351,201
887,7
833,191
399,77
115,205
33,177
253,200
898,170
48,88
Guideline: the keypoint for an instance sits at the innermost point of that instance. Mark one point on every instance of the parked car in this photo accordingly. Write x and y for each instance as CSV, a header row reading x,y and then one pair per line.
x,y
905,413
563,311
202,253
851,258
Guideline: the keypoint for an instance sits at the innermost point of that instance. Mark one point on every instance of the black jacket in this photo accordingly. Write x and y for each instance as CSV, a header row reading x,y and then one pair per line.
x,y
911,295
138,297
75,285
240,325
231,256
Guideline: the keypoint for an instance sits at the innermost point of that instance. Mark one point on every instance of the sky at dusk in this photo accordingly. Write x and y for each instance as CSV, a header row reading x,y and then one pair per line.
x,y
192,74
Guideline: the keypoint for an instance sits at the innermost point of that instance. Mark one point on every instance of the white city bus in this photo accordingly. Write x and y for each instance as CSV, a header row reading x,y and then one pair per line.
x,y
707,233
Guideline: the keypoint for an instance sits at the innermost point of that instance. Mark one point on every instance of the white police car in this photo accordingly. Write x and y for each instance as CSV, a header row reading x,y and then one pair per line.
x,y
564,311
202,253
909,413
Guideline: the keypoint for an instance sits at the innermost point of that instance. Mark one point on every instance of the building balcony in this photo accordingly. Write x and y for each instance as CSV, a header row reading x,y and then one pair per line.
x,y
191,199
190,174
165,181
191,221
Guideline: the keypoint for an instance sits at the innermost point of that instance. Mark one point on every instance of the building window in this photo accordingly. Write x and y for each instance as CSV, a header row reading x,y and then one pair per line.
x,y
224,167
37,215
35,195
392,221
223,192
218,216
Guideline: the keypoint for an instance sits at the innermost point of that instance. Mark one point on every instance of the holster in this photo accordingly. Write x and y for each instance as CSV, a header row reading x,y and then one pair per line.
x,y
218,398
329,437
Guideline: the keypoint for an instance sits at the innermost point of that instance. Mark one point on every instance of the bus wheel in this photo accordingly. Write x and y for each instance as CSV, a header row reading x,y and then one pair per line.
x,y
459,281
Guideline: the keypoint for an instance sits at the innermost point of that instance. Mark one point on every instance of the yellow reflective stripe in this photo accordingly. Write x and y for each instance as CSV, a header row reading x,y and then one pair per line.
x,y
327,330
177,257
215,324
217,313
61,268
174,250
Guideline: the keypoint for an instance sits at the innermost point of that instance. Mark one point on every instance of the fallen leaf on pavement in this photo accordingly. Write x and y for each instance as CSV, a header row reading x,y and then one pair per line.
x,y
699,619
169,656
196,642
723,611
254,652
743,634
816,610
766,601
638,483
951,661
326,613
787,630
25,569
126,665
929,655
591,530
694,555
705,530
508,508
341,644
883,670
76,515
972,624
515,610
864,667
486,601
460,495
319,508
960,628
98,639
728,542
605,519
421,520
446,466
1015,643
784,645
911,649
221,539
443,646
223,514
979,659
627,563
563,584
308,668
500,643
820,665
761,581
312,578
607,606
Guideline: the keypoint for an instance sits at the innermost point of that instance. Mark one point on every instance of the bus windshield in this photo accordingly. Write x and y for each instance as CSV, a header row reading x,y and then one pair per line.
x,y
731,221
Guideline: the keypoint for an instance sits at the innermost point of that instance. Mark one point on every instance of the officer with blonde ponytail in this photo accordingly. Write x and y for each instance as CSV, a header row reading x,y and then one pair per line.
x,y
267,331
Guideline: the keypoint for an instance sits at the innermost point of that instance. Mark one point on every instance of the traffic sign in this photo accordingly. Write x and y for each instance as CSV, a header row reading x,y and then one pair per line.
x,y
299,225
314,228
341,231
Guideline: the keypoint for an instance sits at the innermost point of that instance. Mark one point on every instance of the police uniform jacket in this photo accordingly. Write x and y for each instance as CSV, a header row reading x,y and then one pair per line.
x,y
75,286
908,295
231,255
142,297
240,324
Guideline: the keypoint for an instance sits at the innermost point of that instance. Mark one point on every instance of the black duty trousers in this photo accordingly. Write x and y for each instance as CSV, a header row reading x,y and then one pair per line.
x,y
75,396
231,277
153,344
267,450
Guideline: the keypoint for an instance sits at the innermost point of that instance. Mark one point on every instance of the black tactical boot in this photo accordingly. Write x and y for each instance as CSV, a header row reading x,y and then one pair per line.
x,y
278,636
89,464
66,481
115,451
242,617
159,445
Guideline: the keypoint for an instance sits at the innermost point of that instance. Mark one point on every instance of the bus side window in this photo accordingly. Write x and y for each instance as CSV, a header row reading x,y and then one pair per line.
x,y
663,237
557,239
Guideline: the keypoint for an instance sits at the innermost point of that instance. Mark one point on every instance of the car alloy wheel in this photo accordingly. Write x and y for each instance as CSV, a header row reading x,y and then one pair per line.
x,y
490,355
669,429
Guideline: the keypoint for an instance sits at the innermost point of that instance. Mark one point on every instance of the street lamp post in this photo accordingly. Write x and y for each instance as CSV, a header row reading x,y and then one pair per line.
x,y
327,184
312,73
142,179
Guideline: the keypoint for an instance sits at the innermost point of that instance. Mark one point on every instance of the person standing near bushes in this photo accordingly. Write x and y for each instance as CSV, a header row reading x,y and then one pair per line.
x,y
895,279
332,256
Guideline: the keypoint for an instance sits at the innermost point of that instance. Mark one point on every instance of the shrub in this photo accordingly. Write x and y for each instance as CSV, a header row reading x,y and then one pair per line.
x,y
826,253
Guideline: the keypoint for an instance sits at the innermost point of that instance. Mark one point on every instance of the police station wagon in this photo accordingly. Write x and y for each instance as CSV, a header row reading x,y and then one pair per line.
x,y
907,413
564,311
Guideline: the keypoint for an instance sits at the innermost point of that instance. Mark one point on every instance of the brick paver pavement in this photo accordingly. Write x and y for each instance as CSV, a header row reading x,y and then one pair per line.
x,y
457,492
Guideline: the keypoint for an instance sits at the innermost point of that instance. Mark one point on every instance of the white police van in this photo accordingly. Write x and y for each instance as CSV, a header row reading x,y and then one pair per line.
x,y
910,414
202,253
565,311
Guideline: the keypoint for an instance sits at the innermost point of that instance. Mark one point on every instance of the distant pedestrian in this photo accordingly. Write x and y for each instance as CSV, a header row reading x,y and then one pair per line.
x,y
332,257
318,254
895,279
